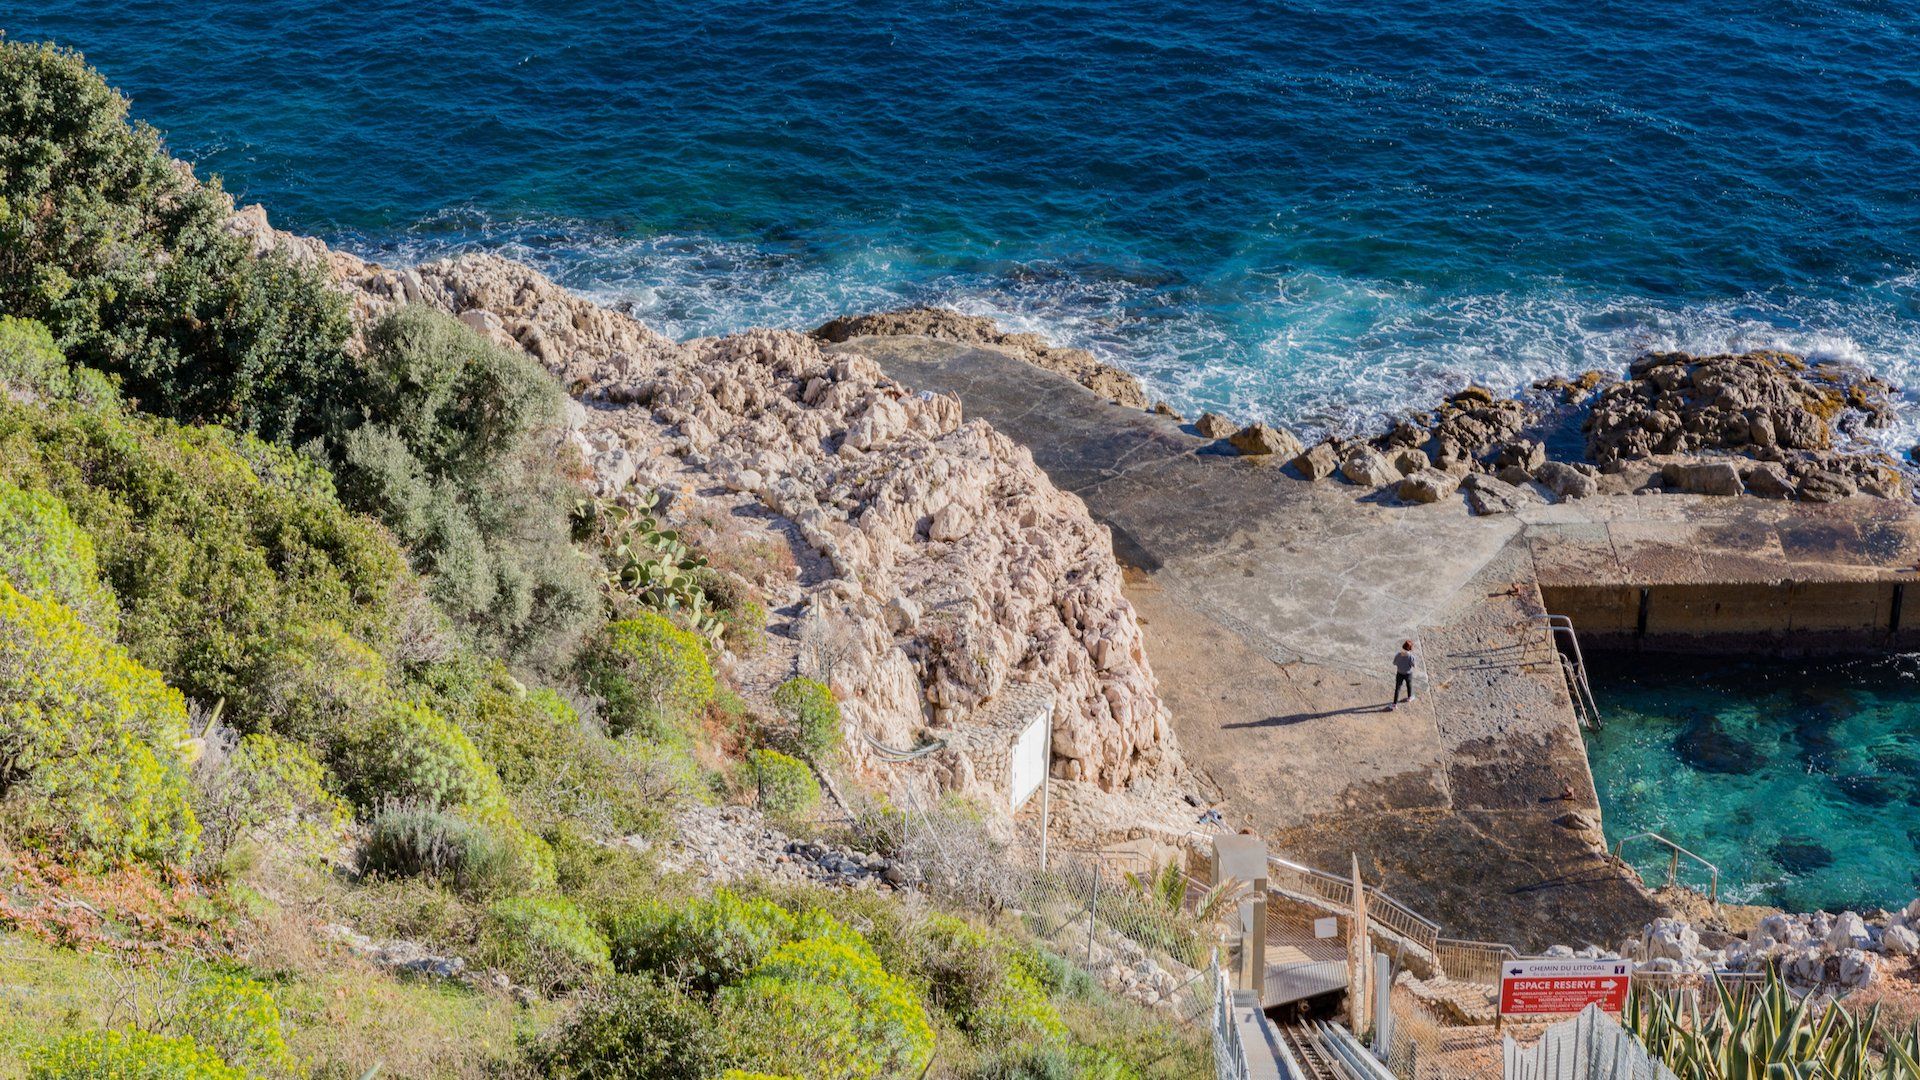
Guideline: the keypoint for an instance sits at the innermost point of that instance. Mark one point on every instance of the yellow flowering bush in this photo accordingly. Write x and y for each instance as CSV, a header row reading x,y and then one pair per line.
x,y
45,555
702,944
407,751
651,676
214,543
237,1017
88,737
127,1055
786,785
544,941
836,996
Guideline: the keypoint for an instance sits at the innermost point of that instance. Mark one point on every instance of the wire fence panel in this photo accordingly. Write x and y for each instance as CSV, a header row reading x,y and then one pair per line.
x,y
1591,1046
1427,1045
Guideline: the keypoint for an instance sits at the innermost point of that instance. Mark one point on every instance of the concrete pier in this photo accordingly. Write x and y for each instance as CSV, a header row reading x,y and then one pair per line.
x,y
1273,607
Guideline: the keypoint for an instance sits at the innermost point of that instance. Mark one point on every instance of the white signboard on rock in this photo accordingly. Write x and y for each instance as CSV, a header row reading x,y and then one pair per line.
x,y
1030,754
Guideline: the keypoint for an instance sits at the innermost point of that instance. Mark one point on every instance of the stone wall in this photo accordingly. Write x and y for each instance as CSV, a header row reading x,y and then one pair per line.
x,y
1776,617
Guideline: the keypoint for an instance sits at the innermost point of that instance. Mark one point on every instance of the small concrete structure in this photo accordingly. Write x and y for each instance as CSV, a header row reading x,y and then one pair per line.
x,y
1272,607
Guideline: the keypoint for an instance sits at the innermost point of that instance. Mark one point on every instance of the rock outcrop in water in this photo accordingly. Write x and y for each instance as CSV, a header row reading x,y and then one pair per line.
x,y
940,569
1760,423
1078,364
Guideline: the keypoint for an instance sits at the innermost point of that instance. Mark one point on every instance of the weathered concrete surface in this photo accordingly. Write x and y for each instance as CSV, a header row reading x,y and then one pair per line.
x,y
1272,607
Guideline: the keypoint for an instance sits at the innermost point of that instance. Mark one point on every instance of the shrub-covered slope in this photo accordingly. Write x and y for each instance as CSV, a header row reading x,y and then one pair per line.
x,y
338,728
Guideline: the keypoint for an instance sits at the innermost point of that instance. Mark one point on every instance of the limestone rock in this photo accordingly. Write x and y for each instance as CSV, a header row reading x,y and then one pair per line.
x,y
1082,366
1702,478
1674,403
1428,486
1849,932
885,495
1767,480
1367,467
1409,460
1671,939
1491,495
1526,454
1317,463
1568,481
1259,440
1214,426
1900,941
1822,486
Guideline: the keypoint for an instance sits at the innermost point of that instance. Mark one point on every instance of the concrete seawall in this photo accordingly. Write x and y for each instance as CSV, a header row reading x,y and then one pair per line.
x,y
1272,607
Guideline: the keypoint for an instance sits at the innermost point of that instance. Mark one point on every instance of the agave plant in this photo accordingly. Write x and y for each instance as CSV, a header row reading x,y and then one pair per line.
x,y
653,565
1766,1033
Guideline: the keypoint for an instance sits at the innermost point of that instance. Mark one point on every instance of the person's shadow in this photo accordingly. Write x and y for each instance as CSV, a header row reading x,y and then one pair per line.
x,y
1301,718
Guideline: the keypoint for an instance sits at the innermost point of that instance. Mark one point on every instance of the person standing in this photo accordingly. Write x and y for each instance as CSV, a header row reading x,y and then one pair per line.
x,y
1404,665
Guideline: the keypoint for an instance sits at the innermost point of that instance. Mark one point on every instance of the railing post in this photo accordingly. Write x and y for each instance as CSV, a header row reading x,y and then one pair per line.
x,y
1093,914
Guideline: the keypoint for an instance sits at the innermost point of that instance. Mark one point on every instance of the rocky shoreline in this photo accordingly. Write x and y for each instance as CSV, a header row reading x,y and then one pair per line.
x,y
1760,423
937,569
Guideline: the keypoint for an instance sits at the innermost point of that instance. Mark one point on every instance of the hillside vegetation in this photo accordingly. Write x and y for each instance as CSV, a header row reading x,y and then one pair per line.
x,y
311,639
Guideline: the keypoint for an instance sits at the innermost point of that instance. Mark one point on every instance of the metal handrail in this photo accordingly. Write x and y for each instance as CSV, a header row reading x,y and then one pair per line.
x,y
1673,864
1473,961
895,754
1332,889
1562,624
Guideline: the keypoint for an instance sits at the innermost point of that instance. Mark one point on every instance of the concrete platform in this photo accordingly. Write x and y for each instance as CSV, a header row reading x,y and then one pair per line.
x,y
1273,606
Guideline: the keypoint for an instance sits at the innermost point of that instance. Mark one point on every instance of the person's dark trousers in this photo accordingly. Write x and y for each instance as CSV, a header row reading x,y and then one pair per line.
x,y
1400,680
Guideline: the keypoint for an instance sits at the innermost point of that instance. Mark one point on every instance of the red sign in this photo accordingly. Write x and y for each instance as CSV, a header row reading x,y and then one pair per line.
x,y
1546,987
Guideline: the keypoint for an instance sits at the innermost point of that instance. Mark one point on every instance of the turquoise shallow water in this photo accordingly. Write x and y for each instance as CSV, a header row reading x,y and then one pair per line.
x,y
1801,779
1312,212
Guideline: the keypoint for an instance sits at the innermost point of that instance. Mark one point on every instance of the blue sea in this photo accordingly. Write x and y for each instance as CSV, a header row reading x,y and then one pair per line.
x,y
1799,779
1313,213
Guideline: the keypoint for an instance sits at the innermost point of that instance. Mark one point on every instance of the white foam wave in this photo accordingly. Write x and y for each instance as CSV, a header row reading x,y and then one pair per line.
x,y
1320,352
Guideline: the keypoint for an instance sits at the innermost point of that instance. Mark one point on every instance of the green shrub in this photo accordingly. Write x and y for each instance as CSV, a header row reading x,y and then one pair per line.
x,y
786,785
32,367
87,739
237,1017
800,1028
702,944
1051,1061
983,982
812,717
477,857
443,438
641,1028
544,942
46,556
310,684
652,676
215,544
844,1015
265,784
131,264
406,751
557,768
738,606
127,1055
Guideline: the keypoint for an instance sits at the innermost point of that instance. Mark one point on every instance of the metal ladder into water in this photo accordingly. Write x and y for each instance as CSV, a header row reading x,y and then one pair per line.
x,y
1585,705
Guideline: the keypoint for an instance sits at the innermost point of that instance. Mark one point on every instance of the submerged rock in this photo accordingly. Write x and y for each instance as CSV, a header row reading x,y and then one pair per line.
x,y
1703,744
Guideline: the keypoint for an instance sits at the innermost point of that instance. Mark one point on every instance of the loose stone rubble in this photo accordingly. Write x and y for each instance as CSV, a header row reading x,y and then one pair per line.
x,y
728,843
